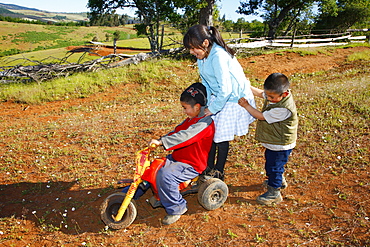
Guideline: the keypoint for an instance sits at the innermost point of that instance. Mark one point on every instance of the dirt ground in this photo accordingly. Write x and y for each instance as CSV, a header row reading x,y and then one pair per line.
x,y
103,51
36,211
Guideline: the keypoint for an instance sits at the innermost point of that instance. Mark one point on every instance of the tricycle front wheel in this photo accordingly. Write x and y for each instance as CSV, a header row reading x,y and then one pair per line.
x,y
109,208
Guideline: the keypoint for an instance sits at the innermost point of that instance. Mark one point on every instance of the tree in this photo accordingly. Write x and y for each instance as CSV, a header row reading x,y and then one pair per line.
x,y
153,12
206,13
241,25
150,12
349,13
276,11
228,25
116,36
107,19
196,12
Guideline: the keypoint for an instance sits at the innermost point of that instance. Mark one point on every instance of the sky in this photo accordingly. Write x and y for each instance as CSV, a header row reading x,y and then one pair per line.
x,y
227,7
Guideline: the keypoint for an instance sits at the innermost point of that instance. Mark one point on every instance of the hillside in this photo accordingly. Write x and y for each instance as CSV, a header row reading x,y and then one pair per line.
x,y
16,11
34,41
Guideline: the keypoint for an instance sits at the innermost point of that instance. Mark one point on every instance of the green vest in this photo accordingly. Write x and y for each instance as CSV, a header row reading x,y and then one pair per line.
x,y
279,133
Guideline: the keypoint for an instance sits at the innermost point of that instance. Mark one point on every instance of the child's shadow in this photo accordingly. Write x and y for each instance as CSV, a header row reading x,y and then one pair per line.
x,y
249,190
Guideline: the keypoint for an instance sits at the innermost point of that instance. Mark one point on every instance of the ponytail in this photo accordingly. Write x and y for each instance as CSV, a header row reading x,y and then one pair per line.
x,y
196,35
219,40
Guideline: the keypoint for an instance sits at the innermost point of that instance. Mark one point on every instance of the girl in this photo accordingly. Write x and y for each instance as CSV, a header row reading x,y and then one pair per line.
x,y
225,82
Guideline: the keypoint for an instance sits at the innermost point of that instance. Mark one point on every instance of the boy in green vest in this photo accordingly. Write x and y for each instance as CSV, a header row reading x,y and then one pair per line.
x,y
276,130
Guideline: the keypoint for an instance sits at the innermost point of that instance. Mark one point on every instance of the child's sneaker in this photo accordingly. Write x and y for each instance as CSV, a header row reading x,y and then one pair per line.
x,y
216,174
271,196
169,219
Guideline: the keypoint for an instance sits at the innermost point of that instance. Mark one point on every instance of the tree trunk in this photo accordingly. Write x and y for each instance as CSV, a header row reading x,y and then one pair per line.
x,y
206,14
276,21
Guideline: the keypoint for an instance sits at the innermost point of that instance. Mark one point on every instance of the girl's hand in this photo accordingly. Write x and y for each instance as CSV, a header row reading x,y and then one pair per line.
x,y
243,102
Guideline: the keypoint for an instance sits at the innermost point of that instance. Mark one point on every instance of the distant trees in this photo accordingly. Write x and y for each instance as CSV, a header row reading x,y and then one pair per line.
x,y
348,13
110,19
281,14
275,12
255,28
20,20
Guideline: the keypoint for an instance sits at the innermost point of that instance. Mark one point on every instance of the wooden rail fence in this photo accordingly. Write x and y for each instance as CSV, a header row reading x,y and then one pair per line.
x,y
299,41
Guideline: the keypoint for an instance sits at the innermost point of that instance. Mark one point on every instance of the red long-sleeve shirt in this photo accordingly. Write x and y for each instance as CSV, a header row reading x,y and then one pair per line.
x,y
191,141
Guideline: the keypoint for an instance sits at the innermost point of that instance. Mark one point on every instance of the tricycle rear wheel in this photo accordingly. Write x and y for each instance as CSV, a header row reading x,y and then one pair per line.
x,y
110,207
212,194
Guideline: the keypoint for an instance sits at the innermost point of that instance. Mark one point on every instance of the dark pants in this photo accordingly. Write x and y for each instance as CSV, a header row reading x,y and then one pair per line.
x,y
274,166
219,150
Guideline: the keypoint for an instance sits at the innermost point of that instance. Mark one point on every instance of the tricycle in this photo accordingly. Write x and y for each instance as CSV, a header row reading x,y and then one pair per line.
x,y
119,209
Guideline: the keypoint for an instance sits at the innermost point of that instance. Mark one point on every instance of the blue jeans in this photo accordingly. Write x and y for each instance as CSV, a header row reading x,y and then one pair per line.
x,y
168,179
274,166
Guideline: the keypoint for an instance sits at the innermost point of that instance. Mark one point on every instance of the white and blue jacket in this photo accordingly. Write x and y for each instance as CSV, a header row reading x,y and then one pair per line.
x,y
223,77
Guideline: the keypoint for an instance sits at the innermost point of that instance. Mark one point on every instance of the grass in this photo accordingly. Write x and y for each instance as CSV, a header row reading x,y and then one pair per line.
x,y
84,84
364,56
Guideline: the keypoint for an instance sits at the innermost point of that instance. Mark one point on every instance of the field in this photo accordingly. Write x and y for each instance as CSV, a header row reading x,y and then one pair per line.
x,y
18,37
60,159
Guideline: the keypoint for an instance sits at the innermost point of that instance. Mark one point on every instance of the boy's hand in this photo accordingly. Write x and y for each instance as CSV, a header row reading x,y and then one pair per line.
x,y
243,102
255,113
155,143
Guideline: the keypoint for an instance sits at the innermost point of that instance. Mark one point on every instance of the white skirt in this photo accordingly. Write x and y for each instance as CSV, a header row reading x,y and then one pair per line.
x,y
233,120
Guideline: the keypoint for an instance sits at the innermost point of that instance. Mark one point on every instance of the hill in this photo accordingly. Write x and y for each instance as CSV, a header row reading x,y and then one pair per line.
x,y
33,39
16,11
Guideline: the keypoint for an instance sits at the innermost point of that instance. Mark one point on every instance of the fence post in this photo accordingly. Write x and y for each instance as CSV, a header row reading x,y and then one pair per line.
x,y
162,34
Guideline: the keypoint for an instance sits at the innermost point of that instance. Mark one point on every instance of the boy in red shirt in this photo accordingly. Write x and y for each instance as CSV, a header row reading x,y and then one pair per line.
x,y
191,142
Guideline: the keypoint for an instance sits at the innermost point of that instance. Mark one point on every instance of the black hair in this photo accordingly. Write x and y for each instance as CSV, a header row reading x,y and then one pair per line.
x,y
277,83
195,94
196,35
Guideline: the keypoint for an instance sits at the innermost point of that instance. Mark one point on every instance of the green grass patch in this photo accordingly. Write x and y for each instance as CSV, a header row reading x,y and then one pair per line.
x,y
364,56
84,84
